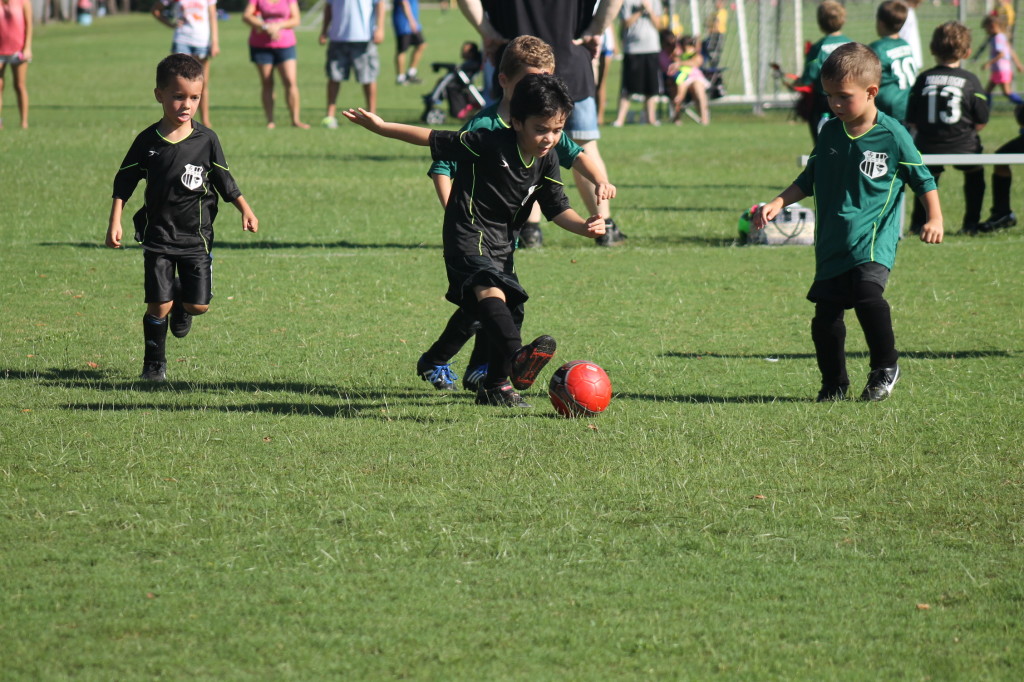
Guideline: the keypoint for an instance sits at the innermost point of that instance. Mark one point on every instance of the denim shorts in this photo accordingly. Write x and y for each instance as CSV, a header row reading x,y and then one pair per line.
x,y
343,58
582,124
271,55
12,59
200,53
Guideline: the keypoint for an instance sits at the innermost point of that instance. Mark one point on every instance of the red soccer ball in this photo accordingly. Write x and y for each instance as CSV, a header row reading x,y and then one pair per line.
x,y
580,389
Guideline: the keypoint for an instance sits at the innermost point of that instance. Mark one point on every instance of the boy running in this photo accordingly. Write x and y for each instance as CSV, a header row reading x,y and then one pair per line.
x,y
182,163
522,56
500,175
856,174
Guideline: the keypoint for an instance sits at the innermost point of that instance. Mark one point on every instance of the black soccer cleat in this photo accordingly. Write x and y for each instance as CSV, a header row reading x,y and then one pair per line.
x,y
612,236
181,320
530,237
880,383
440,377
832,393
474,377
154,371
501,396
998,222
530,360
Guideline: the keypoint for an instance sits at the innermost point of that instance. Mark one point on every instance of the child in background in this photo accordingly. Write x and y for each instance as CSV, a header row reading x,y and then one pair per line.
x,y
405,17
1002,60
16,50
680,62
946,109
897,58
640,47
1002,178
912,34
182,163
500,174
195,33
523,56
856,173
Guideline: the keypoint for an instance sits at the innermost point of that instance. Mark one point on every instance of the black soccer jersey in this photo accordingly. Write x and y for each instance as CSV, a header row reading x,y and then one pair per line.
x,y
180,202
945,105
493,191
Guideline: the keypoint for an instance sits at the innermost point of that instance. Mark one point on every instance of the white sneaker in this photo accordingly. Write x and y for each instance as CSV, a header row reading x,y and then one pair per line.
x,y
329,122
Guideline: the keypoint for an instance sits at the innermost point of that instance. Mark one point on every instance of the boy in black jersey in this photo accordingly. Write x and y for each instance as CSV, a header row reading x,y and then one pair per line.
x,y
182,163
946,109
500,174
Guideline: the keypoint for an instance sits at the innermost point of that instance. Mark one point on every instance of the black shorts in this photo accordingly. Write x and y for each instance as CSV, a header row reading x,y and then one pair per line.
x,y
1014,146
408,40
845,289
466,272
195,270
641,74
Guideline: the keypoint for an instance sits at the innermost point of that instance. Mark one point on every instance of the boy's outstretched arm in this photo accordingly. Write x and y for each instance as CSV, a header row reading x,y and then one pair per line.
x,y
768,212
586,167
114,232
592,227
249,221
932,231
397,131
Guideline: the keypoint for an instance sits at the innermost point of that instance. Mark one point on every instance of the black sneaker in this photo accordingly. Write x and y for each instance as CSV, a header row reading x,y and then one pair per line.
x,y
612,236
154,371
531,237
998,222
880,383
413,79
440,377
473,379
502,396
831,393
181,321
530,360
970,229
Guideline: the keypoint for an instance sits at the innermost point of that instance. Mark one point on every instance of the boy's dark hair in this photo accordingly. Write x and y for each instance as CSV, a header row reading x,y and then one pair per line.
x,y
951,41
525,52
853,61
831,16
668,38
892,14
540,94
178,66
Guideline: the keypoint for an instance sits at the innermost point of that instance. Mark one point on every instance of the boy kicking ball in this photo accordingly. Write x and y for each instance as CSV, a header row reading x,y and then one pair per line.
x,y
499,176
856,173
182,163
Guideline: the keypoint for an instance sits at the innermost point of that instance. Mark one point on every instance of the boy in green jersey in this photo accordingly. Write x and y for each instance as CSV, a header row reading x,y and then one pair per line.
x,y
522,56
856,174
897,57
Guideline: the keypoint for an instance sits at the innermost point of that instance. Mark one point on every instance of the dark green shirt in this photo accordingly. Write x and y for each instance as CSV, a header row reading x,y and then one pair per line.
x,y
857,184
898,74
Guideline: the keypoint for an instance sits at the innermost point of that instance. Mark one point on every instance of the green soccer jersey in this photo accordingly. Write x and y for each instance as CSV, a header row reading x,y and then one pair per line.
x,y
488,119
816,57
856,184
898,73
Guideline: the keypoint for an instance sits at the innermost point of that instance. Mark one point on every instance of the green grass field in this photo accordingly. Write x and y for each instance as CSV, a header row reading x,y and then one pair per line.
x,y
296,504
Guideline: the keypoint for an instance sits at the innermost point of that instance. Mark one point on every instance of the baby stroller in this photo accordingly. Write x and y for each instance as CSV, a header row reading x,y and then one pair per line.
x,y
456,86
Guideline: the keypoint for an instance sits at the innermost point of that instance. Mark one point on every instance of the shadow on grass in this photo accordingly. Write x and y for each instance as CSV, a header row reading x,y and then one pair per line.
x,y
255,245
718,399
347,411
915,354
696,187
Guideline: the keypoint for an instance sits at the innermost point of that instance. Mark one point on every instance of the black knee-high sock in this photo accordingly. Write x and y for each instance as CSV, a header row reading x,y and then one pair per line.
x,y
1001,194
457,332
154,330
503,337
875,318
829,334
481,354
974,195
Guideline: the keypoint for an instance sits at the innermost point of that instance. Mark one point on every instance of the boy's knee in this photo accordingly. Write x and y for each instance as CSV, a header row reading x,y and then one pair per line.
x,y
195,308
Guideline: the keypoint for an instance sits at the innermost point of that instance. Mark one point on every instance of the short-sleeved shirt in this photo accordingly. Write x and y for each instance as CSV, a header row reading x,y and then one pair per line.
x,y
493,191
642,36
999,45
945,105
183,180
899,70
12,27
272,11
400,21
816,57
856,184
488,119
353,21
195,17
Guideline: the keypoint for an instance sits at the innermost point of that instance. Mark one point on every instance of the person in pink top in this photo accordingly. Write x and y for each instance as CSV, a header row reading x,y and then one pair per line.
x,y
16,50
272,44
1002,60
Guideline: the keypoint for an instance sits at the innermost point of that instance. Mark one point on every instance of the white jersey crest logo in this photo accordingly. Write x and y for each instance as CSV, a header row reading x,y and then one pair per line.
x,y
874,164
192,177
